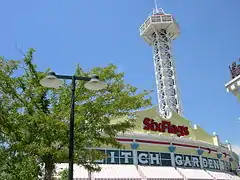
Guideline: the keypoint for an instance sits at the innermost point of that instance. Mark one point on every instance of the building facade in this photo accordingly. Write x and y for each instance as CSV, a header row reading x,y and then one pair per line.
x,y
174,142
164,149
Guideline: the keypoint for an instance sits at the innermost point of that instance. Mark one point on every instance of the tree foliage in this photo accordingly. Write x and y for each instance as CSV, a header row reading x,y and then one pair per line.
x,y
34,119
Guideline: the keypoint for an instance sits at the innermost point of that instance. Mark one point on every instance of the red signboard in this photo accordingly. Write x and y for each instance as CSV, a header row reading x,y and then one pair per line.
x,y
164,126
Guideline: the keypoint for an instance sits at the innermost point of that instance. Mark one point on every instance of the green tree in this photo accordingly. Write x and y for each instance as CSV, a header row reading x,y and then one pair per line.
x,y
34,119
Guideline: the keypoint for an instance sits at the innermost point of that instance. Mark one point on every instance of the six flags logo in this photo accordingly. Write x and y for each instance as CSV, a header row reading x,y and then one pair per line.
x,y
150,124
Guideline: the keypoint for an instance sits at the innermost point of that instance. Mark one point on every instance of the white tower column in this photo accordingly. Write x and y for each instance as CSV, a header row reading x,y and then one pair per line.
x,y
168,96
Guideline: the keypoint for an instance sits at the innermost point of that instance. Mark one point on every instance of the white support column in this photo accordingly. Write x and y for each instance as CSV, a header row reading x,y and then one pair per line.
x,y
200,158
201,163
135,158
229,147
173,159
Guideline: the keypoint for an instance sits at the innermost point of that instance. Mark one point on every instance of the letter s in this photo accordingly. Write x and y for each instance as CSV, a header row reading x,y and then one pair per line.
x,y
181,131
186,131
147,124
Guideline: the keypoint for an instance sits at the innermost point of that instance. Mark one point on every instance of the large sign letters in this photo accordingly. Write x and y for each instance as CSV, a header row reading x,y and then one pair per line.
x,y
115,156
165,126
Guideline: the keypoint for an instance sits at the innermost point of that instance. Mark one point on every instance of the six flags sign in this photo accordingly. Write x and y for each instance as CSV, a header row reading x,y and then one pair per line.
x,y
165,126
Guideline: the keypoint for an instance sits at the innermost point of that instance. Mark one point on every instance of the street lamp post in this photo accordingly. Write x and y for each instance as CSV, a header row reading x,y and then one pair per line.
x,y
52,80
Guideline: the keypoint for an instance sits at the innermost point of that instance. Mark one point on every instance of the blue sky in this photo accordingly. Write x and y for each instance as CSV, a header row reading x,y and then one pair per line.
x,y
99,32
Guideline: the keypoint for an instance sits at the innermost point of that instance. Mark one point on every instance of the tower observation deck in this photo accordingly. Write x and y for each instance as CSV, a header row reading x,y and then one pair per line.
x,y
233,85
158,31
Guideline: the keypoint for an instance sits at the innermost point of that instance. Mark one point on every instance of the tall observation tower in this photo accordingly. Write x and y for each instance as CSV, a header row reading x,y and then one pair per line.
x,y
158,31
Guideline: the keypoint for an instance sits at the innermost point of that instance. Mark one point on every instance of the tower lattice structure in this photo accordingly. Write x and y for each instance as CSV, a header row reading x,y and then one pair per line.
x,y
158,31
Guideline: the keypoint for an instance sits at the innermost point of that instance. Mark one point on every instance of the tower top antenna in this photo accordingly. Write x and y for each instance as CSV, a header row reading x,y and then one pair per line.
x,y
155,3
156,9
